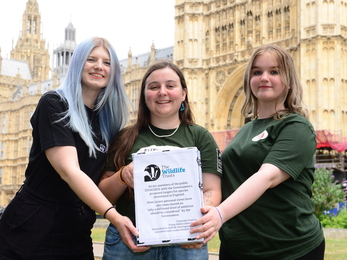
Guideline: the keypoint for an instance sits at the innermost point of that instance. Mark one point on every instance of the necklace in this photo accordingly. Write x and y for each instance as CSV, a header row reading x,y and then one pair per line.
x,y
161,136
91,121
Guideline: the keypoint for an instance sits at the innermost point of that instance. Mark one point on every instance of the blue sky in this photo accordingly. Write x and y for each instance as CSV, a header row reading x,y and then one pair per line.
x,y
128,24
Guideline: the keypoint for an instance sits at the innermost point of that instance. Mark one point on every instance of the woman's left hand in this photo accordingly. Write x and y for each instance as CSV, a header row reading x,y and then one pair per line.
x,y
210,223
128,175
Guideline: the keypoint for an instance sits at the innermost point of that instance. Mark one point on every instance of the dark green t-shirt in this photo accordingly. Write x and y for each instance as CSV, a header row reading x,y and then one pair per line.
x,y
280,224
186,136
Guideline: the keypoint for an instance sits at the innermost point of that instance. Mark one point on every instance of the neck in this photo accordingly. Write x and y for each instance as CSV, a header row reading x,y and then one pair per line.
x,y
164,123
89,98
268,111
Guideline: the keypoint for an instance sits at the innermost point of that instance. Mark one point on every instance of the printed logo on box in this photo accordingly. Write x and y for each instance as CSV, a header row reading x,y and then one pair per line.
x,y
153,172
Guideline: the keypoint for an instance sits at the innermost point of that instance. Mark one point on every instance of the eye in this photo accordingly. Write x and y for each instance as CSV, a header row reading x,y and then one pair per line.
x,y
90,60
107,63
256,72
274,72
152,87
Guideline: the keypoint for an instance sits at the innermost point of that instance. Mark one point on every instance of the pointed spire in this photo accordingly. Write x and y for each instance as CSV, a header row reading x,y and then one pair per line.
x,y
152,57
130,58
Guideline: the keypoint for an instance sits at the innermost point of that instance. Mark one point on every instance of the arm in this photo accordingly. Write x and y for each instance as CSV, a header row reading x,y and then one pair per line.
x,y
268,176
212,197
111,186
212,189
88,192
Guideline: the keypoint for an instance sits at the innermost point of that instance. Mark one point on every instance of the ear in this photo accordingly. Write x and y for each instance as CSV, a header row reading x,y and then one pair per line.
x,y
184,95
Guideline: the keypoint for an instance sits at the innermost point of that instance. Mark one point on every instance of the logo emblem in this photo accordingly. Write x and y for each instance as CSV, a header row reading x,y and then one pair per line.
x,y
260,136
153,172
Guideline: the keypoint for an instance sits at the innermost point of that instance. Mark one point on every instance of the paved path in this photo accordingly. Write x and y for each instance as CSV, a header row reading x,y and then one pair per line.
x,y
99,249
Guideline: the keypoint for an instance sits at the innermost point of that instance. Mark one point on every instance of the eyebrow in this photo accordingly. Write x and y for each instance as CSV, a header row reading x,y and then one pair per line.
x,y
168,81
91,56
273,67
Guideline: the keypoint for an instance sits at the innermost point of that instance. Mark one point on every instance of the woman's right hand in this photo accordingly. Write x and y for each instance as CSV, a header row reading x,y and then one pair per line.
x,y
128,175
126,229
208,225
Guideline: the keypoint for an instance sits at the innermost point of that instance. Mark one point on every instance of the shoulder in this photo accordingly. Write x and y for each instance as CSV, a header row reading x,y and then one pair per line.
x,y
52,99
297,120
196,128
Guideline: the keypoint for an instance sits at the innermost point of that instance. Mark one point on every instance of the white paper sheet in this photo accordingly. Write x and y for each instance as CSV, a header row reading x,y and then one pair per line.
x,y
168,195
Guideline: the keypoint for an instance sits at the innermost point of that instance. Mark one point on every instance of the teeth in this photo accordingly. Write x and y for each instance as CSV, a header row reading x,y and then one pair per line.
x,y
96,75
163,102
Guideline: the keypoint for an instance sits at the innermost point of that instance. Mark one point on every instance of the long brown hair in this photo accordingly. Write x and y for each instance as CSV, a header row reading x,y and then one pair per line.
x,y
293,96
125,139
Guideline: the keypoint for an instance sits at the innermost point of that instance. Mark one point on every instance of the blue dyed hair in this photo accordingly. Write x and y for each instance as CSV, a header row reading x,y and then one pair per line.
x,y
111,103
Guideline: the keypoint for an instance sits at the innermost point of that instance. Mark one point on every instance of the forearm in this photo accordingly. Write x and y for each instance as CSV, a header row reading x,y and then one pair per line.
x,y
212,189
112,188
268,176
212,198
249,192
87,191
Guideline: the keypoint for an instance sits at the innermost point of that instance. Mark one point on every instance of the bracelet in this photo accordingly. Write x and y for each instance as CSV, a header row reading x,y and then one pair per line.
x,y
108,210
120,176
220,215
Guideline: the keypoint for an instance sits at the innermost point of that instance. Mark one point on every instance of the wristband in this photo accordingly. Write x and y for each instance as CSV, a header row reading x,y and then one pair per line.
x,y
120,176
108,210
220,215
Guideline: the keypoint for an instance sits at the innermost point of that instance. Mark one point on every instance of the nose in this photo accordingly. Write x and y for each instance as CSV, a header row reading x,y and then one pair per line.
x,y
98,65
162,90
264,77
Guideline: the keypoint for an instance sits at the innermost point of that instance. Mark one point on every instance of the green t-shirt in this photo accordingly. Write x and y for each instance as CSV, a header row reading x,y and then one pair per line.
x,y
186,136
280,224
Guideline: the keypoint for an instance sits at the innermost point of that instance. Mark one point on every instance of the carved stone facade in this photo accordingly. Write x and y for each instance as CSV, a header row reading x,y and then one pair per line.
x,y
214,40
23,80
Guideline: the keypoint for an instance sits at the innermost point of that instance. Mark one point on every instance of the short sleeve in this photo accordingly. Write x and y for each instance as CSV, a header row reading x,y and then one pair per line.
x,y
294,148
46,126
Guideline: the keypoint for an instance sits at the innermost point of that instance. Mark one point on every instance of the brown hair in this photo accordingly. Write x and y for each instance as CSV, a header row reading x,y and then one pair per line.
x,y
125,139
293,95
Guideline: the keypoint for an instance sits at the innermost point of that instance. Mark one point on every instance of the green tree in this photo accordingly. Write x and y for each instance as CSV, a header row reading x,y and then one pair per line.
x,y
326,192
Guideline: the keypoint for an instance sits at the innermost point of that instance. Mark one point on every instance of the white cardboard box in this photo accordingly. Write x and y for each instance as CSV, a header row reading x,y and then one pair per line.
x,y
168,195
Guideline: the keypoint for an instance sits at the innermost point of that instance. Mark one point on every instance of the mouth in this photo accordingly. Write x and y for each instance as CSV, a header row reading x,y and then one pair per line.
x,y
96,75
163,102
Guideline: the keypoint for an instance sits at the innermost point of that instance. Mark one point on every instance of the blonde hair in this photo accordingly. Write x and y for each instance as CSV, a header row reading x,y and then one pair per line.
x,y
293,102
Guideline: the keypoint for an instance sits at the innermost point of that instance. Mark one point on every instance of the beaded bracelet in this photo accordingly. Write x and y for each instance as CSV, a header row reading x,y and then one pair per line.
x,y
108,210
220,215
120,176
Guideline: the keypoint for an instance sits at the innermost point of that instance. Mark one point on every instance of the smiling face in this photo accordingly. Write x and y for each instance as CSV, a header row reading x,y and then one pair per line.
x,y
164,95
96,71
266,83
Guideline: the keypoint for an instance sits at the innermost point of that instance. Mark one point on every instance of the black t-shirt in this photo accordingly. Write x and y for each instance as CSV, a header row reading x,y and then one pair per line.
x,y
47,133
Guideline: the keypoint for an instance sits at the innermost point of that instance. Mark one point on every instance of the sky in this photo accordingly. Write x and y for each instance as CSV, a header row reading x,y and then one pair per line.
x,y
134,24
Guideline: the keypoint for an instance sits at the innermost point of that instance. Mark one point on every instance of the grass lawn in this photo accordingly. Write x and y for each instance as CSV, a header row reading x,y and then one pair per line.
x,y
335,249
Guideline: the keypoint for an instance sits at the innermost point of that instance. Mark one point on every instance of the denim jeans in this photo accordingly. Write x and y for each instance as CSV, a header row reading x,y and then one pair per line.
x,y
115,249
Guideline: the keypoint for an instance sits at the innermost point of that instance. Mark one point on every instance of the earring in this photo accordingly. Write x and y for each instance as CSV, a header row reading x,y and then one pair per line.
x,y
182,107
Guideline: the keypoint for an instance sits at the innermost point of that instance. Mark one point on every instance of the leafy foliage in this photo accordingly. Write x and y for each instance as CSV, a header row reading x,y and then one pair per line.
x,y
338,221
325,191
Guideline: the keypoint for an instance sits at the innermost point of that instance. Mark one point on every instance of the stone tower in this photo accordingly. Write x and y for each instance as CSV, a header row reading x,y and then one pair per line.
x,y
63,53
30,46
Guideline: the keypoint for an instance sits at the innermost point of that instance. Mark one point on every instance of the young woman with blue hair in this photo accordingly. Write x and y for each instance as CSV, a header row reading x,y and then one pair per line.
x,y
52,214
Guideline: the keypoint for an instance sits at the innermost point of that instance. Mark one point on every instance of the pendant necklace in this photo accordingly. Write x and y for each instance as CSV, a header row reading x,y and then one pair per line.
x,y
91,121
161,136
